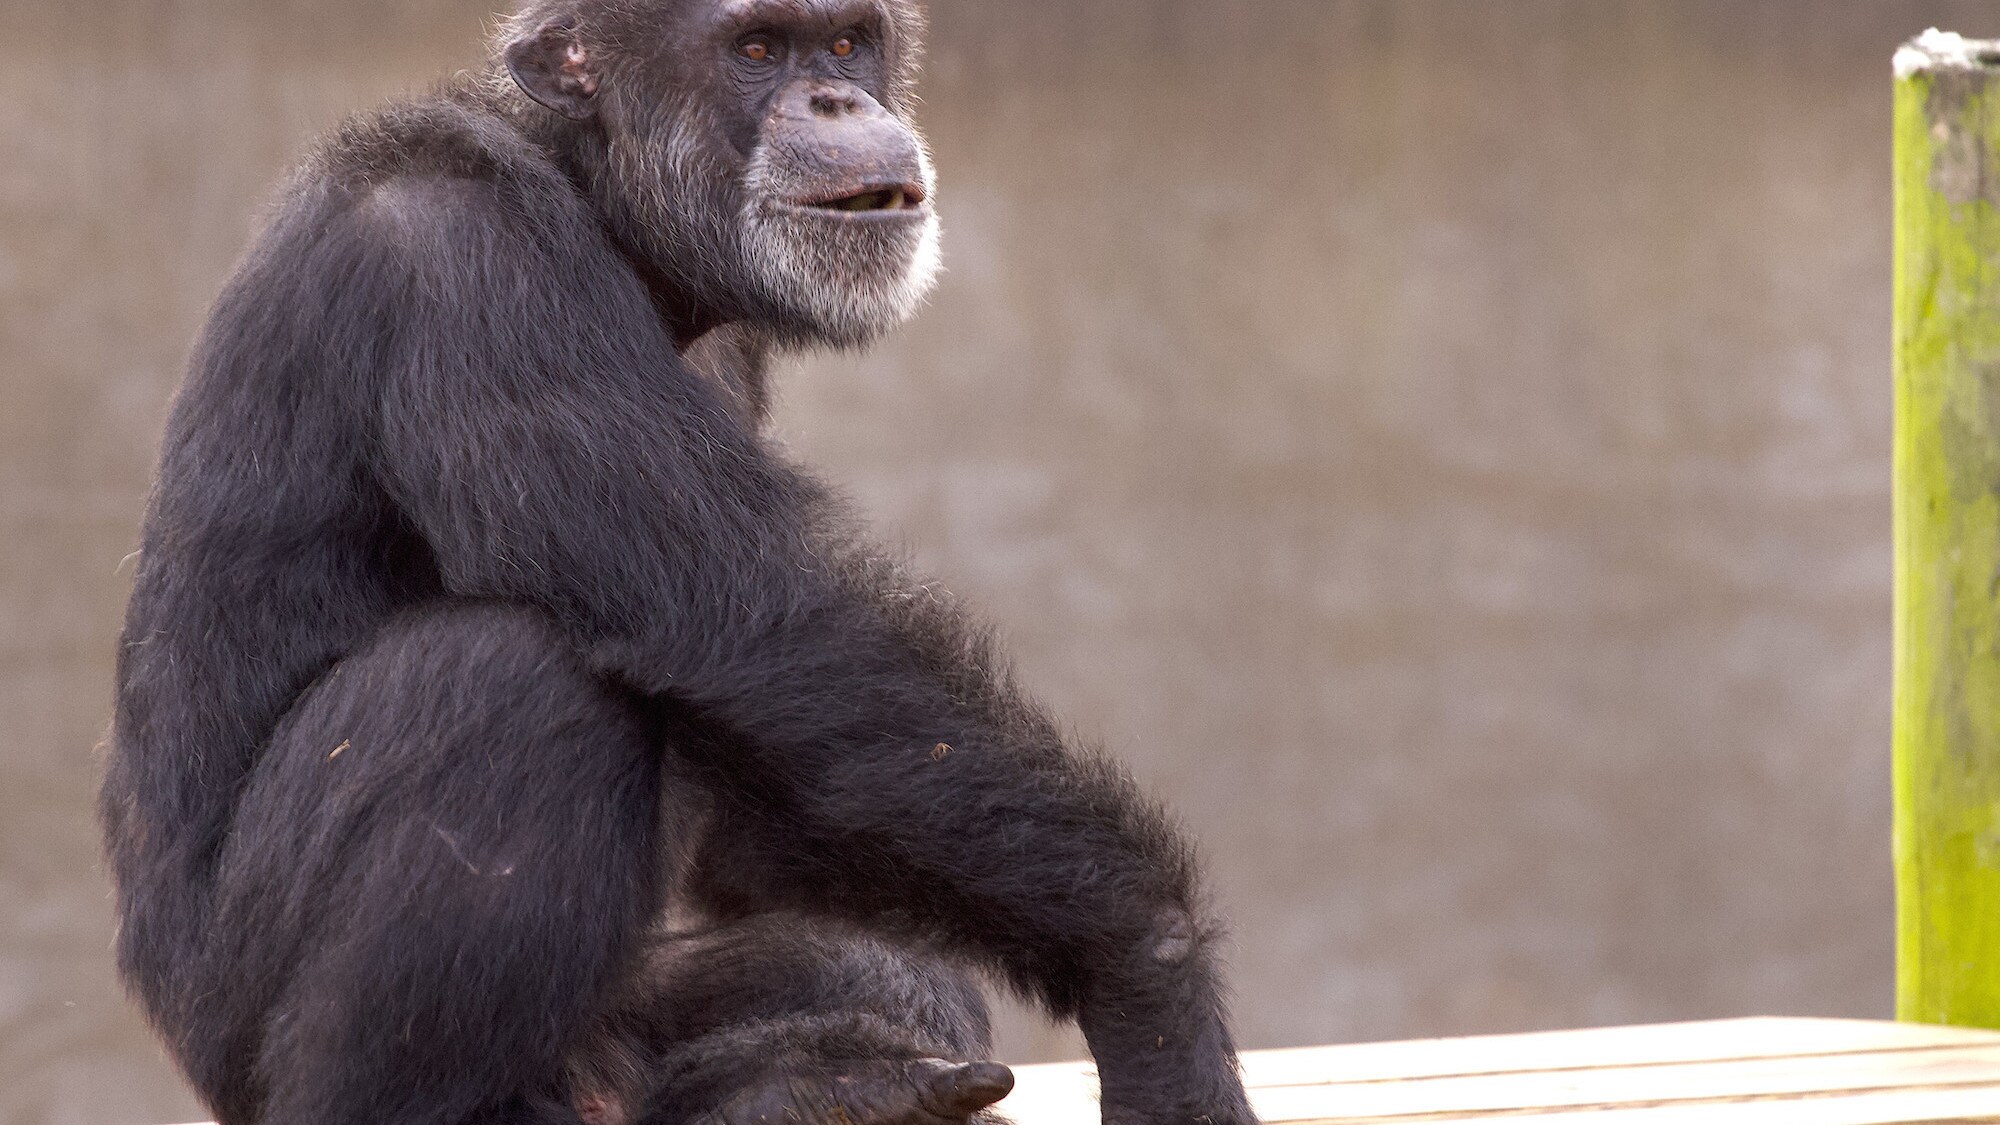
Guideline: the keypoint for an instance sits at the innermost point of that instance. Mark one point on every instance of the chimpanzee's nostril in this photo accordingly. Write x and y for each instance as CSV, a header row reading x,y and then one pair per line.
x,y
832,105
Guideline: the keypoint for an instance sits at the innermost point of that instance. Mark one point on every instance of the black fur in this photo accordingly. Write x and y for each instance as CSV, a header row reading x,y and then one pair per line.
x,y
827,1015
453,559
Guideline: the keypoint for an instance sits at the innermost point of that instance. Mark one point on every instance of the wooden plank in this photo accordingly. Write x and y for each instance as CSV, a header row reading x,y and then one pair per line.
x,y
1666,1084
1761,1071
1700,1041
1980,1106
1764,1070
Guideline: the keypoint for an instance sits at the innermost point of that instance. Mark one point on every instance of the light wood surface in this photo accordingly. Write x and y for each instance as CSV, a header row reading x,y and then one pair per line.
x,y
1727,1072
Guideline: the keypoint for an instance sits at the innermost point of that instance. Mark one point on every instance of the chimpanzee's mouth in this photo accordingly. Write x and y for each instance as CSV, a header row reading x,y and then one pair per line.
x,y
893,198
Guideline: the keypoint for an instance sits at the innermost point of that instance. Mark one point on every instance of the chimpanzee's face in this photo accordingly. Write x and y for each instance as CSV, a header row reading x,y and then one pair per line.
x,y
758,151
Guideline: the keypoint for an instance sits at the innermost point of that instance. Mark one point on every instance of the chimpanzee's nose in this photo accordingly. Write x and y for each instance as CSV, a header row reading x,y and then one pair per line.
x,y
827,102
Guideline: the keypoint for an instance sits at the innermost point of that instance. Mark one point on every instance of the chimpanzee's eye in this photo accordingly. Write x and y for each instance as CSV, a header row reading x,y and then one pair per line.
x,y
757,48
844,46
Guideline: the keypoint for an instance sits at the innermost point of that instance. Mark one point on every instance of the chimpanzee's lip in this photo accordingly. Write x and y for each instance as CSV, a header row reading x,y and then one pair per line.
x,y
867,199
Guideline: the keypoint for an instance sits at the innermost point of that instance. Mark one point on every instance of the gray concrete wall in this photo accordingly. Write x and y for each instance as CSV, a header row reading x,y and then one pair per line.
x,y
1442,446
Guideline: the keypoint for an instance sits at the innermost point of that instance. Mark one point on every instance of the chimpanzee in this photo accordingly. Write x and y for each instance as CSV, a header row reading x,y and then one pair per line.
x,y
467,562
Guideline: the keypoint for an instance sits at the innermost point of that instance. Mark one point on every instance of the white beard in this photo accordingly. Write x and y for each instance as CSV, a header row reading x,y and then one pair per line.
x,y
852,281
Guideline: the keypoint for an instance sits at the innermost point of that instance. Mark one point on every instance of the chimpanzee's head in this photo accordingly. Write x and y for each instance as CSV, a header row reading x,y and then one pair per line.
x,y
758,153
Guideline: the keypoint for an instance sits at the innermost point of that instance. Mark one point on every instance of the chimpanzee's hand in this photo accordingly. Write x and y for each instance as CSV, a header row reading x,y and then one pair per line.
x,y
915,1092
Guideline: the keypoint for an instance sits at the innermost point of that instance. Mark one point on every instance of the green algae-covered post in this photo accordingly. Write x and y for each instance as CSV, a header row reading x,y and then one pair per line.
x,y
1947,501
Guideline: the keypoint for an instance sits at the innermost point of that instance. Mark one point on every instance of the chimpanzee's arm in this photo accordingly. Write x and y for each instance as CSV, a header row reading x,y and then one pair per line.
x,y
534,425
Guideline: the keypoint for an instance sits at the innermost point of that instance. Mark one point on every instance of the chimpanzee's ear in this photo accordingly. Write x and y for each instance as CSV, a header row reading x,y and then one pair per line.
x,y
552,66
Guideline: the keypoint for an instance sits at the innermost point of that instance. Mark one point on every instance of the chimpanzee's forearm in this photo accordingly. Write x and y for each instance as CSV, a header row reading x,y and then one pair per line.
x,y
880,763
895,773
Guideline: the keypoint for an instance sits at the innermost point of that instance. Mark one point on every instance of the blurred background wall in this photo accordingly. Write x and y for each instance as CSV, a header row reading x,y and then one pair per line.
x,y
1443,446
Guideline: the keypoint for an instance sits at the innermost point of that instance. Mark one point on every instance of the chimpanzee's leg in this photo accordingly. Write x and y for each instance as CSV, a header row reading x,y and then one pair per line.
x,y
441,867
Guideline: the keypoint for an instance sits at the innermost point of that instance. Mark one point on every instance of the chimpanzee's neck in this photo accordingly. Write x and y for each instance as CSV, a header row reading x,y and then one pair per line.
x,y
686,319
579,151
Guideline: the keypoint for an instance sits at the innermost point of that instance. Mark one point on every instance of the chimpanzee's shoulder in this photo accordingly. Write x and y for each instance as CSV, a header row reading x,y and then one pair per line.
x,y
452,142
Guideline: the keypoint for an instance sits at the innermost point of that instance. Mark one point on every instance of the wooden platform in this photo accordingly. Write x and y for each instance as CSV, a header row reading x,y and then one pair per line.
x,y
1763,1071
1724,1072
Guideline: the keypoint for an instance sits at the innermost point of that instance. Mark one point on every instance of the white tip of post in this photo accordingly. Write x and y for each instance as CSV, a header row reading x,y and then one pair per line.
x,y
1943,50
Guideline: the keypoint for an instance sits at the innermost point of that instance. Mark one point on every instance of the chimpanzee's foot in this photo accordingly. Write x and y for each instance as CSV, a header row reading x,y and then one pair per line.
x,y
912,1092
